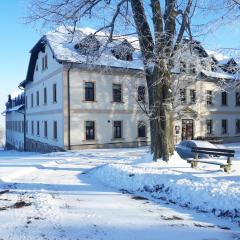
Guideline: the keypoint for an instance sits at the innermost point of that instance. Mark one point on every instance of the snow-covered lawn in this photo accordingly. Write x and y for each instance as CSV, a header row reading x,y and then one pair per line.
x,y
206,188
86,195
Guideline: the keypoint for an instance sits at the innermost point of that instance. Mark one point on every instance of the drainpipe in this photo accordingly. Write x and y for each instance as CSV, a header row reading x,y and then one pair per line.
x,y
69,106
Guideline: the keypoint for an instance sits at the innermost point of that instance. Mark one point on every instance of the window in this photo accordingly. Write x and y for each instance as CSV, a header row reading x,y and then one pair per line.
x,y
32,128
224,126
38,128
45,129
90,130
141,130
45,95
209,126
141,94
117,129
26,102
54,92
237,98
192,68
238,126
55,133
89,91
193,96
44,62
32,100
183,95
209,97
182,66
37,98
117,92
224,98
26,126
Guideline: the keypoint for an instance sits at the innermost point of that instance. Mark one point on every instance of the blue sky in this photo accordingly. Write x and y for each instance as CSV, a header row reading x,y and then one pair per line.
x,y
17,39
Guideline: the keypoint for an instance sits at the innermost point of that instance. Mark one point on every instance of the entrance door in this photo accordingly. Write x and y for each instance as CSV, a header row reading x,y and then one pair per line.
x,y
187,129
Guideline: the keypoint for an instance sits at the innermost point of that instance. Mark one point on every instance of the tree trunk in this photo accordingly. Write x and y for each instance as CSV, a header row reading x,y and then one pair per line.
x,y
160,106
158,78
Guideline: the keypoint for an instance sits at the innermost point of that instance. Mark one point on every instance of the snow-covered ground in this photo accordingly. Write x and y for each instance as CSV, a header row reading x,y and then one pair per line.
x,y
86,195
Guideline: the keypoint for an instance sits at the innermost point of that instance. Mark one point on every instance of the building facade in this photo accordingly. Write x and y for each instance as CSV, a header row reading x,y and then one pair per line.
x,y
207,112
75,97
15,129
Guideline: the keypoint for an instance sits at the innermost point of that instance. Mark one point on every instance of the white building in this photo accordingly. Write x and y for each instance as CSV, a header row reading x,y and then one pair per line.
x,y
71,105
208,103
14,113
81,94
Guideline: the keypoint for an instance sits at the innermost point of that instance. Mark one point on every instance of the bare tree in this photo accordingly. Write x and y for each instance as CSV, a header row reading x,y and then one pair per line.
x,y
160,27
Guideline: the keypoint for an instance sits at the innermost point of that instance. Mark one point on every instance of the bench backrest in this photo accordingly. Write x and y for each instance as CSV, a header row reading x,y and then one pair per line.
x,y
214,151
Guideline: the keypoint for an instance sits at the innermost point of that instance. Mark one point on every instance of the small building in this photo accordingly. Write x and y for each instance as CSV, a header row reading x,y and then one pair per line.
x,y
15,117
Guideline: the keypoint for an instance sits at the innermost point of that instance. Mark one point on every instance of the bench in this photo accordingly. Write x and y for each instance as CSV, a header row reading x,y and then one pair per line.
x,y
215,152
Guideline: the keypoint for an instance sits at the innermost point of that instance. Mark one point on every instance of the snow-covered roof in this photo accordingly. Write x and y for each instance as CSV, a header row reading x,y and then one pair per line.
x,y
219,75
217,55
69,48
62,43
16,108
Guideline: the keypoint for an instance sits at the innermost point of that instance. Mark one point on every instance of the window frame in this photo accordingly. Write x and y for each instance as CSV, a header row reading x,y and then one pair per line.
x,y
46,129
116,133
209,97
88,135
38,128
37,98
141,94
117,97
139,126
32,100
224,126
211,126
45,96
183,95
32,128
224,98
87,90
237,130
54,93
192,96
237,99
55,130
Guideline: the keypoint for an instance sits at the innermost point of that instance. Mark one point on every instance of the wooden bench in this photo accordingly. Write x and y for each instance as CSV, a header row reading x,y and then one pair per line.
x,y
215,152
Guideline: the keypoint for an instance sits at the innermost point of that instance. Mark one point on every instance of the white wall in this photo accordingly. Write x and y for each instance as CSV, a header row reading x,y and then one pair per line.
x,y
103,110
52,111
15,136
216,112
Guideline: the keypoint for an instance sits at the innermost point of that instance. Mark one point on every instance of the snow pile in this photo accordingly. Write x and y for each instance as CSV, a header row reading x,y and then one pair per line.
x,y
206,189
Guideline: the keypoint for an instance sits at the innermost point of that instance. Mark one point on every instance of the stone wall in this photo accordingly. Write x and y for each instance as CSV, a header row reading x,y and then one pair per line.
x,y
36,146
110,145
9,146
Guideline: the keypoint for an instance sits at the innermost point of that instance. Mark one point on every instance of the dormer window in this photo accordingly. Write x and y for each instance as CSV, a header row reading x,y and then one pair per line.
x,y
88,45
183,66
123,51
192,68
